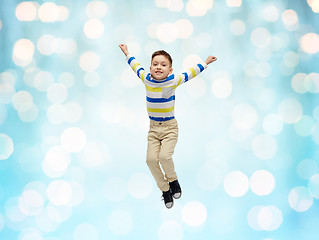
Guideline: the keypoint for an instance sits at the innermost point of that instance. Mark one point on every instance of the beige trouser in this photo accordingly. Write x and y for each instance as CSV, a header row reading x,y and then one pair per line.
x,y
162,139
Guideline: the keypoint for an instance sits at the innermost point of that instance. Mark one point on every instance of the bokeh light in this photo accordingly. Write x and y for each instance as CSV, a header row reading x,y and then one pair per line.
x,y
73,120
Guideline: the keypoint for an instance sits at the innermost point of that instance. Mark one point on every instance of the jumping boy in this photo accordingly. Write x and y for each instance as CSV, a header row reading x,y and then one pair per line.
x,y
160,86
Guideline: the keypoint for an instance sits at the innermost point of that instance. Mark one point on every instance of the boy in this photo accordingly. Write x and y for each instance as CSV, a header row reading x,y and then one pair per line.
x,y
160,86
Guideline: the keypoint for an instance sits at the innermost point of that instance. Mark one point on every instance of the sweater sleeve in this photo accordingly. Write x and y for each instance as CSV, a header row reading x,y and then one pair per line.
x,y
136,67
190,73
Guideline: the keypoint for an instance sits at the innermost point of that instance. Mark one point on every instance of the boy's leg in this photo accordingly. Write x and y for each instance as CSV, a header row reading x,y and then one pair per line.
x,y
167,149
152,159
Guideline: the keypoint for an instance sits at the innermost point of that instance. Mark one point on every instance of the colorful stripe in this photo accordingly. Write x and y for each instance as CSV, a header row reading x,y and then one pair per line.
x,y
160,110
160,100
161,119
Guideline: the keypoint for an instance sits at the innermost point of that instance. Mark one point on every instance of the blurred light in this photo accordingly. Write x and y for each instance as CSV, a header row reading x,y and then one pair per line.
x,y
22,101
266,99
73,139
291,59
237,27
260,37
244,116
44,223
57,93
47,44
290,110
204,40
67,79
3,112
89,61
194,213
31,233
7,92
56,162
300,199
170,230
152,30
27,11
49,12
298,82
95,155
63,13
59,213
59,192
184,28
167,32
264,146
140,185
92,79
196,88
262,182
252,218
314,4
120,222
74,112
23,51
290,19
306,168
77,194
198,7
304,126
96,9
6,146
43,80
93,28
29,115
85,231
31,202
313,186
115,189
233,3
236,184
269,218
271,13
272,124
312,82
162,3
57,113
176,5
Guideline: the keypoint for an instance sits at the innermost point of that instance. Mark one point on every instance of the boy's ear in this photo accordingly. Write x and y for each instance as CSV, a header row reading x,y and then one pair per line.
x,y
170,70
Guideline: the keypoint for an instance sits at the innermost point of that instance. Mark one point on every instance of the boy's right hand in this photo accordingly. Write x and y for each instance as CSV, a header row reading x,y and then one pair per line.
x,y
124,49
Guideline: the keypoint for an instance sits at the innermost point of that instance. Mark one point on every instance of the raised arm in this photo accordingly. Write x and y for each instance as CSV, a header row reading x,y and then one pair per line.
x,y
134,64
210,59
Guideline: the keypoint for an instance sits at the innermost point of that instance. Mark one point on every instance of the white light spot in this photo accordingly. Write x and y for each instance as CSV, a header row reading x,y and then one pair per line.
x,y
184,28
313,186
89,61
43,80
27,11
120,222
95,155
269,218
300,199
7,91
194,214
74,112
264,146
47,44
57,113
59,192
93,28
271,13
233,3
6,146
140,185
59,213
312,82
49,12
290,110
22,101
29,115
304,126
244,116
129,78
236,184
73,139
290,19
31,202
167,32
77,194
221,88
307,168
57,93
23,51
92,79
96,9
309,43
298,82
272,124
260,37
56,162
237,27
262,182
67,79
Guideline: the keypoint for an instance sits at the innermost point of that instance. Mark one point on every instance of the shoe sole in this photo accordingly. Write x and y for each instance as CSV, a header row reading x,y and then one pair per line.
x,y
177,195
167,205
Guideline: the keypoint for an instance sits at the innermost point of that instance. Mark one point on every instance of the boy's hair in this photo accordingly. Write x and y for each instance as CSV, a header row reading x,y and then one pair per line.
x,y
165,54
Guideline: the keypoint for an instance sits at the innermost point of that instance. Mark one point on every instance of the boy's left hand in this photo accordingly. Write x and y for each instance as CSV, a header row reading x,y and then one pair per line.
x,y
210,59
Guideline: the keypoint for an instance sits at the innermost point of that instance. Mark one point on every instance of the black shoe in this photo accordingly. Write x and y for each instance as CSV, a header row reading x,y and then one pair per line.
x,y
168,199
176,189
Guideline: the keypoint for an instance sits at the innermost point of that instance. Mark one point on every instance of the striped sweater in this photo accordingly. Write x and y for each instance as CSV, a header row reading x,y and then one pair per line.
x,y
160,94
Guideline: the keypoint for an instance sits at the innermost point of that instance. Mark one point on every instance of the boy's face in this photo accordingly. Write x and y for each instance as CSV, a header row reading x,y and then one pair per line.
x,y
160,67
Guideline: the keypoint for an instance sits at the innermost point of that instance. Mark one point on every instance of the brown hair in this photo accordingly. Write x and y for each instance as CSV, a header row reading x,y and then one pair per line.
x,y
165,54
